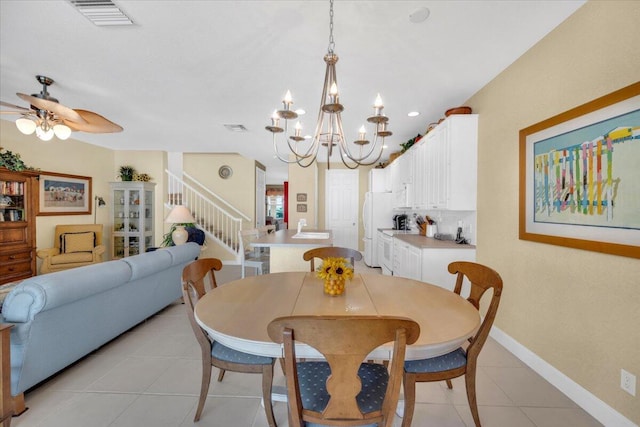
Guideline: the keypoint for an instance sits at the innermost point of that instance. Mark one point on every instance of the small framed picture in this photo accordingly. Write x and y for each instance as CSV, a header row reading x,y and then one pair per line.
x,y
301,197
302,207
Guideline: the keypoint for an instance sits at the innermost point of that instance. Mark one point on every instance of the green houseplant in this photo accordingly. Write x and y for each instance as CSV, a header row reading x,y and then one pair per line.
x,y
12,161
126,173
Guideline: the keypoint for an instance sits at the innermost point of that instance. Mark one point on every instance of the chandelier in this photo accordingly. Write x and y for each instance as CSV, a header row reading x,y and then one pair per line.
x,y
329,132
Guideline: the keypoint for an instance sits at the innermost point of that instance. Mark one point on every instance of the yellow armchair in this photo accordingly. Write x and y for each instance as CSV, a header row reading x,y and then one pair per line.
x,y
75,245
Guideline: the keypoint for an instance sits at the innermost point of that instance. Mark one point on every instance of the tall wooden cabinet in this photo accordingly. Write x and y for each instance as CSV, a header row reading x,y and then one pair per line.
x,y
132,214
18,201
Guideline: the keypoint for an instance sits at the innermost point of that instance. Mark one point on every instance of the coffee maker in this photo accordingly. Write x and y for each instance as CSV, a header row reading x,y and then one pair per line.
x,y
400,222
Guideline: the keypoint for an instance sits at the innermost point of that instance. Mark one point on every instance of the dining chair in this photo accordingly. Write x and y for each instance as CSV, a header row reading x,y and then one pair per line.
x,y
342,390
331,251
458,362
195,276
249,257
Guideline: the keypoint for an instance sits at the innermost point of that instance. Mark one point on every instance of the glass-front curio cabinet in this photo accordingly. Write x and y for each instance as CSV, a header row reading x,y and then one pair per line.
x,y
132,214
18,200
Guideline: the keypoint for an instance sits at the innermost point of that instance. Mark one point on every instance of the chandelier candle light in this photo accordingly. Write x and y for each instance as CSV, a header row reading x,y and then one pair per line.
x,y
329,131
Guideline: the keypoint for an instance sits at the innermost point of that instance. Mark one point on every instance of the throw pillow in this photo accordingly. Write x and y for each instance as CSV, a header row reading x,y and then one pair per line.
x,y
77,242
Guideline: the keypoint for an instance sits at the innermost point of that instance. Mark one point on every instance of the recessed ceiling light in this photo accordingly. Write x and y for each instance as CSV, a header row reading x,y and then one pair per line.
x,y
419,15
413,113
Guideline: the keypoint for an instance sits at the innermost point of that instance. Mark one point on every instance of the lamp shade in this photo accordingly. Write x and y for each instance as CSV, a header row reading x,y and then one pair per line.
x,y
179,215
26,126
62,131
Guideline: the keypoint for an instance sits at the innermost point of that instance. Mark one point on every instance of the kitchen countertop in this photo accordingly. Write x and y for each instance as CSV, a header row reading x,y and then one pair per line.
x,y
284,238
423,242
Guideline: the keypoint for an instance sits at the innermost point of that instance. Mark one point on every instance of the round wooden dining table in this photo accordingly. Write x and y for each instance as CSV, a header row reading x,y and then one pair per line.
x,y
236,314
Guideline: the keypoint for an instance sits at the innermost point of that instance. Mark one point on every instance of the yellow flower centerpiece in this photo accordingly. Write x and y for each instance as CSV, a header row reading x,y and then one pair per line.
x,y
335,271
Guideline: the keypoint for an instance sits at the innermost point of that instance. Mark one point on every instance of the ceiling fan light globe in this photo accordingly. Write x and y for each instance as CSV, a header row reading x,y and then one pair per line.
x,y
62,131
25,125
44,135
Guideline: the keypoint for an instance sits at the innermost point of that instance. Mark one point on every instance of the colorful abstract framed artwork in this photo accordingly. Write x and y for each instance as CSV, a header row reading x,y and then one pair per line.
x,y
580,176
63,194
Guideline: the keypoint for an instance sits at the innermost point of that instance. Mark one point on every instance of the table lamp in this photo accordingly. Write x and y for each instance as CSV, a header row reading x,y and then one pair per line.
x,y
179,216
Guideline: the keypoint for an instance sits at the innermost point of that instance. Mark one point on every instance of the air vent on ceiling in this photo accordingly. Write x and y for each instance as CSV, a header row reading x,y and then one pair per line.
x,y
236,128
101,12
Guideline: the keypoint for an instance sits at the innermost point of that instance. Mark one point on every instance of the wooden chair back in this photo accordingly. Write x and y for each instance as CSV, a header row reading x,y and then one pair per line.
x,y
245,238
345,342
194,276
332,251
482,278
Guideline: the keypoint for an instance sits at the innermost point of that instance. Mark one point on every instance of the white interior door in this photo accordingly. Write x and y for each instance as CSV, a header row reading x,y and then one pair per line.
x,y
341,208
261,194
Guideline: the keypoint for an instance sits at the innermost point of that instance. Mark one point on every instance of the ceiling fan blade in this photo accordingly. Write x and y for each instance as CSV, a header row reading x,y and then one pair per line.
x,y
59,110
93,123
16,107
12,112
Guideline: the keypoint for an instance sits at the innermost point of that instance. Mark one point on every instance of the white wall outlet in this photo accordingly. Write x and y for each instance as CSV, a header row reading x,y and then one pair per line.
x,y
628,382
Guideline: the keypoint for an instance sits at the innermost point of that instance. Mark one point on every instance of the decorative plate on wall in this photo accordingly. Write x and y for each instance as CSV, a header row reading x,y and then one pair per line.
x,y
225,172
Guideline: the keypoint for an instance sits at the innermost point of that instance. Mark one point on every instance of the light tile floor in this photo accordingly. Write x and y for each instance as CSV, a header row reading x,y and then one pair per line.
x,y
150,376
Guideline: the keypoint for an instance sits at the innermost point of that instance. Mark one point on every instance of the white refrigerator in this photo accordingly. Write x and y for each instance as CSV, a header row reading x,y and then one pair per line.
x,y
377,212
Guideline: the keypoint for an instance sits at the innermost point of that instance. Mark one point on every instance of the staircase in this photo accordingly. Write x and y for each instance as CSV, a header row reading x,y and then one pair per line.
x,y
216,217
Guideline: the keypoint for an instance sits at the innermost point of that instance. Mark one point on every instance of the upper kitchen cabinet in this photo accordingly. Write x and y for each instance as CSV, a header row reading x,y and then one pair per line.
x,y
402,180
380,180
448,160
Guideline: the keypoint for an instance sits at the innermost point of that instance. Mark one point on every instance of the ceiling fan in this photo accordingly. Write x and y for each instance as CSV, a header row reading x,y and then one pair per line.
x,y
47,117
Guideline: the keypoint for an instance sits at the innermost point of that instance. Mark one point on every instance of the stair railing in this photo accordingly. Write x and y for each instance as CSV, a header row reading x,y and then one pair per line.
x,y
217,222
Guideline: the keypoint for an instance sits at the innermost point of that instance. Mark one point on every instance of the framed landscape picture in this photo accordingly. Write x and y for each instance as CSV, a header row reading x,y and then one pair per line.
x,y
580,179
63,194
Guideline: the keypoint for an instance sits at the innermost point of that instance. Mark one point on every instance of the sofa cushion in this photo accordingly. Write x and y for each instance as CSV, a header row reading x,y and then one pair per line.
x,y
77,242
70,258
180,256
148,263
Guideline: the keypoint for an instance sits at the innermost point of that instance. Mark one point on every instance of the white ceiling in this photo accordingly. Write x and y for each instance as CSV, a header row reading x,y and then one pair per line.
x,y
188,67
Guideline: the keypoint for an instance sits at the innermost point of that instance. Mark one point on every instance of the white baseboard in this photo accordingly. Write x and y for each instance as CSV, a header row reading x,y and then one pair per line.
x,y
581,396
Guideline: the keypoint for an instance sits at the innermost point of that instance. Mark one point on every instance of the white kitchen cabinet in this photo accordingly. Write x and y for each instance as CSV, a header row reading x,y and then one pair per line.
x,y
419,187
402,180
435,263
445,165
132,213
380,180
407,260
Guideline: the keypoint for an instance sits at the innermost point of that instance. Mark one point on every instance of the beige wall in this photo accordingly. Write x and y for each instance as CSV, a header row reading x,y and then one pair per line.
x,y
577,310
304,180
72,157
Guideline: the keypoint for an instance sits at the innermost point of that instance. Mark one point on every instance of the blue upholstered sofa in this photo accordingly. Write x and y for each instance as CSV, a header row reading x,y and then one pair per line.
x,y
60,317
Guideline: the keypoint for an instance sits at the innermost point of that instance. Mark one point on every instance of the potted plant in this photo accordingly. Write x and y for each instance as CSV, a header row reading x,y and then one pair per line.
x,y
405,146
12,161
126,173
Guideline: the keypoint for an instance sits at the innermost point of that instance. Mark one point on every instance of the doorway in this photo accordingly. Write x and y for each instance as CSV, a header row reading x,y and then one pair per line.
x,y
341,206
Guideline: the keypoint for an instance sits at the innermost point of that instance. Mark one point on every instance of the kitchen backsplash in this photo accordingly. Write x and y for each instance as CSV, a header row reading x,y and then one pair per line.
x,y
447,221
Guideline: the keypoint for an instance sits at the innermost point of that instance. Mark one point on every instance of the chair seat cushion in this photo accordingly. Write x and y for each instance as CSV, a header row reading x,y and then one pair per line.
x,y
312,377
74,257
453,360
227,354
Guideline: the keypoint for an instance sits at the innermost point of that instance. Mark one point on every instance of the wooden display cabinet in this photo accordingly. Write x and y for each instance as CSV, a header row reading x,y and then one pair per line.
x,y
18,201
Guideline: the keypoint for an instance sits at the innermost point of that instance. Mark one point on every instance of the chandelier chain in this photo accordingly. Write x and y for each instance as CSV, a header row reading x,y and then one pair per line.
x,y
332,44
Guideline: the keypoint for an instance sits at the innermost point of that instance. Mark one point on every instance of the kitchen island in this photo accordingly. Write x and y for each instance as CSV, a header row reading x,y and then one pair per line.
x,y
286,248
